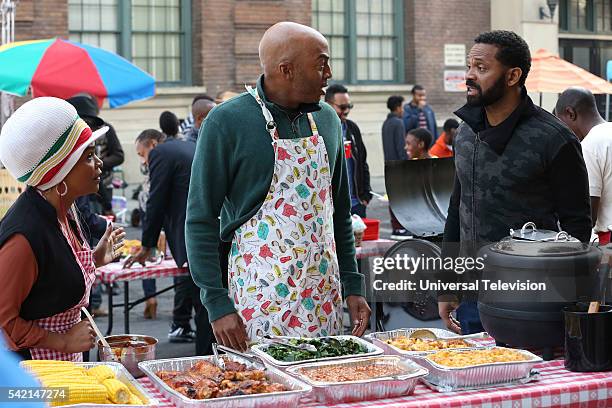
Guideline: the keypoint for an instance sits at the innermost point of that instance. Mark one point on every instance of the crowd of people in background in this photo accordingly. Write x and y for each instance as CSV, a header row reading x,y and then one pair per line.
x,y
196,168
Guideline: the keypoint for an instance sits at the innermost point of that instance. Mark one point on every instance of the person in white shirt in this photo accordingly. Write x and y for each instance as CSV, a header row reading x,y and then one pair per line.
x,y
577,108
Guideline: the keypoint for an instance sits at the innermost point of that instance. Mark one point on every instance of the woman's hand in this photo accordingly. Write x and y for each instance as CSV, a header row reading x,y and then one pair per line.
x,y
109,247
81,337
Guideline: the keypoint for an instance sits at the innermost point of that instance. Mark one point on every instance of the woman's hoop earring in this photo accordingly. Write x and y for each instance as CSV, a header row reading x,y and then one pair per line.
x,y
65,189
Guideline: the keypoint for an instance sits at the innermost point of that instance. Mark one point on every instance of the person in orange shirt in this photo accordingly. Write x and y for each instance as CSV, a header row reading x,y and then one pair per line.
x,y
444,145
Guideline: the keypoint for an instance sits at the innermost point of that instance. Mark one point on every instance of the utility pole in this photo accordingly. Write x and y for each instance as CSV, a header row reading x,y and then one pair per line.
x,y
7,13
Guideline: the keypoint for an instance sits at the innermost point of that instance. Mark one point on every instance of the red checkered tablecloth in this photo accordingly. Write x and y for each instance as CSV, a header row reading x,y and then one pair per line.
x,y
557,387
373,248
114,272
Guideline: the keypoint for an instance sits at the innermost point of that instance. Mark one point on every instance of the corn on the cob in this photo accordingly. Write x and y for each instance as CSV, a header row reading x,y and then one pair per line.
x,y
49,363
134,400
81,393
60,380
101,372
118,392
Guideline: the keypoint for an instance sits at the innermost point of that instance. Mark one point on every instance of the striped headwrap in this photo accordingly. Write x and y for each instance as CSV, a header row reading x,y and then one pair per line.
x,y
42,141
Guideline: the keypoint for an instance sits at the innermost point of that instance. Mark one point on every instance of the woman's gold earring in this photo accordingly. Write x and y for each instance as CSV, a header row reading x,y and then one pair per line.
x,y
65,189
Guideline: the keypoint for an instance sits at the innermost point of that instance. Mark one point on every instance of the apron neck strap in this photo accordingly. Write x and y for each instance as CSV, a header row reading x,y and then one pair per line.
x,y
270,123
313,125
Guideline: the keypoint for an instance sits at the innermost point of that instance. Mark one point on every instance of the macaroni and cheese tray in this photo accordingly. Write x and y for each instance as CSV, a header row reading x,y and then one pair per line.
x,y
452,370
360,379
398,342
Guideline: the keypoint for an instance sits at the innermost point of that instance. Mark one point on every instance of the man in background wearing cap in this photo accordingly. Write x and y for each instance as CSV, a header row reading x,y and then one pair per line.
x,y
108,148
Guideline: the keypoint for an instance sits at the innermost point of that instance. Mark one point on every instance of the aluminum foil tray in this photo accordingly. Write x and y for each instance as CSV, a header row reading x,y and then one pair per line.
x,y
534,375
372,350
479,375
285,399
378,338
363,390
122,374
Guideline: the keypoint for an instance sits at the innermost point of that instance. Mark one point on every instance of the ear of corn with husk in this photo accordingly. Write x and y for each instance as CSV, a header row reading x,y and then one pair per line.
x,y
97,385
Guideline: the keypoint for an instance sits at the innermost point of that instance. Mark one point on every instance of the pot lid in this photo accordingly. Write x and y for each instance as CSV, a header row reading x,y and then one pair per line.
x,y
530,241
530,232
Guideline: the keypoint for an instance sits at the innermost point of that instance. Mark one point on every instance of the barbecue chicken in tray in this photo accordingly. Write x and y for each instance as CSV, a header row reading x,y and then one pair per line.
x,y
205,380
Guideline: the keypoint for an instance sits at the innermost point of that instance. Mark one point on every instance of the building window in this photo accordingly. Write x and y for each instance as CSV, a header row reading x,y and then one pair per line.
x,y
591,55
603,10
95,23
365,38
329,17
585,16
153,34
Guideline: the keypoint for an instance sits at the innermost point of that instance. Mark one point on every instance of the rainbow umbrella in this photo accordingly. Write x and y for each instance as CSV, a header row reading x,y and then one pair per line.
x,y
60,68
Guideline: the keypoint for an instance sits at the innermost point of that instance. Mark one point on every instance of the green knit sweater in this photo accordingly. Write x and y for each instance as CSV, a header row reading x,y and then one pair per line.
x,y
230,177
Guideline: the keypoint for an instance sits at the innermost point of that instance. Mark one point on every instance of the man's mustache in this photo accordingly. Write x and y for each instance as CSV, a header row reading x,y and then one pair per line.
x,y
473,84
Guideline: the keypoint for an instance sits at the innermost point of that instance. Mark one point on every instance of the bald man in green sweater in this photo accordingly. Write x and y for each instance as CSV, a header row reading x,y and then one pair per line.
x,y
281,190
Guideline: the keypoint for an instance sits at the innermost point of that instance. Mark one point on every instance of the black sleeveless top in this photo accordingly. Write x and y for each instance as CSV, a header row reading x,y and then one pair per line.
x,y
60,283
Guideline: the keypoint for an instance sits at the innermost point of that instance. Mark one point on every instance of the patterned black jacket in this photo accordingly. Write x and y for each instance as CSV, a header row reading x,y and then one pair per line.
x,y
528,168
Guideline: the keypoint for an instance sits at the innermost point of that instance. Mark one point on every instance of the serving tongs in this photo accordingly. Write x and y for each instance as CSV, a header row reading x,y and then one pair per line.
x,y
270,339
228,350
219,362
426,334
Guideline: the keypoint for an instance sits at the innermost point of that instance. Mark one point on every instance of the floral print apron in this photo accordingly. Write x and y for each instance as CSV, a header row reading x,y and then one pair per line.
x,y
283,269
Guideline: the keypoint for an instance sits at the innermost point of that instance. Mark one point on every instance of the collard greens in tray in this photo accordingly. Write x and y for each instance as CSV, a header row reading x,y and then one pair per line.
x,y
326,347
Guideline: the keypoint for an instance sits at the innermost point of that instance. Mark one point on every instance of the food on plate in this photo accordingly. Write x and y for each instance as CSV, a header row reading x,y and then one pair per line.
x,y
326,347
409,344
205,380
344,373
97,385
130,247
465,358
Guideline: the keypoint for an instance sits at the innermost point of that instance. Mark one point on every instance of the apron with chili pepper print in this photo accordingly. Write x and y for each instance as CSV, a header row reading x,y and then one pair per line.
x,y
283,269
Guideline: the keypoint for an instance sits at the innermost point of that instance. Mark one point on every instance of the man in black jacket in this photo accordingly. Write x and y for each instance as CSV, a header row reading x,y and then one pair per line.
x,y
108,148
169,174
514,163
356,157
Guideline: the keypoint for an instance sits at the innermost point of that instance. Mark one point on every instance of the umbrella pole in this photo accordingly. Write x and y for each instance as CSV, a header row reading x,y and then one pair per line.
x,y
540,99
607,107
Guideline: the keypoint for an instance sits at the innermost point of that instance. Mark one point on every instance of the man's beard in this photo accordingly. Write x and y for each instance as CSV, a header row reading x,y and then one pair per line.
x,y
492,95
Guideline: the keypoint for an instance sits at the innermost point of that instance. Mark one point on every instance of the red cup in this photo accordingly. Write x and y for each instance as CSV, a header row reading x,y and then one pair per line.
x,y
347,149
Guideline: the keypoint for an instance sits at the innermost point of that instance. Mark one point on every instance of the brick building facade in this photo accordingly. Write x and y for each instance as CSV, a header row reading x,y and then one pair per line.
x,y
224,35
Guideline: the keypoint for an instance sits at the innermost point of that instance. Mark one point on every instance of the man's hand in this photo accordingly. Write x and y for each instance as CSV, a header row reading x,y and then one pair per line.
x,y
365,203
359,311
444,310
141,257
230,331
